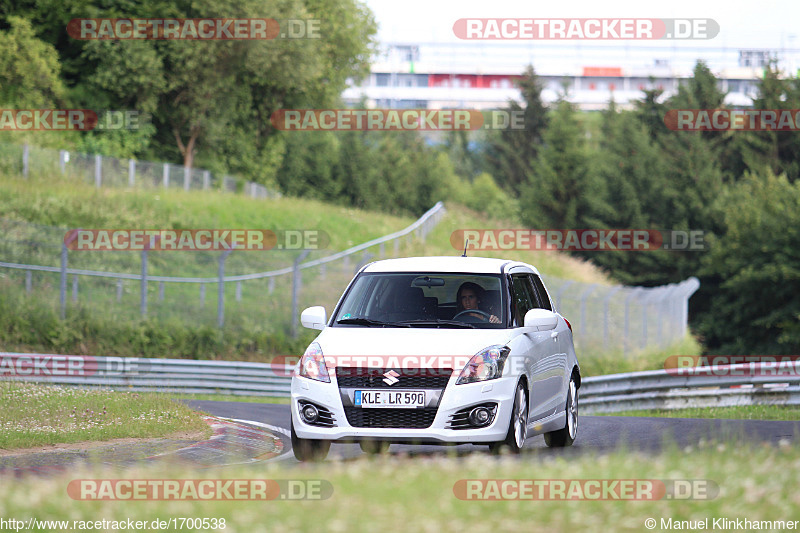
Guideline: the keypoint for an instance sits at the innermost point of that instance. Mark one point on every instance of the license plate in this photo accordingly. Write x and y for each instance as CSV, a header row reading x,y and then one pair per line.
x,y
402,399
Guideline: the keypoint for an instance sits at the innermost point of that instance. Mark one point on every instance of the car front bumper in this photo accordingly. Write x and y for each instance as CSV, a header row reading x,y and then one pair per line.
x,y
453,398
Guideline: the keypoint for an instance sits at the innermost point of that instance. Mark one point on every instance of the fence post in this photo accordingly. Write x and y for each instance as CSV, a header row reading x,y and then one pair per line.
x,y
560,292
143,287
131,172
98,171
62,160
206,179
63,284
160,291
271,284
202,295
582,328
187,178
626,334
238,291
119,290
28,281
607,311
221,288
296,281
165,180
25,159
74,288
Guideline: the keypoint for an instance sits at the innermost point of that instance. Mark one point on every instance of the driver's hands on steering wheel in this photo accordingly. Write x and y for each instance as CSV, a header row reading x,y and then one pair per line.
x,y
493,319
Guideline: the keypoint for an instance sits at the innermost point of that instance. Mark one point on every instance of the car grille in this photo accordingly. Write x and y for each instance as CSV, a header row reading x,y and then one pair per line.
x,y
390,418
412,378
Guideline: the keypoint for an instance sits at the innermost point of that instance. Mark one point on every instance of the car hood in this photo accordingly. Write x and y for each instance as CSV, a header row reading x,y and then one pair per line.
x,y
365,341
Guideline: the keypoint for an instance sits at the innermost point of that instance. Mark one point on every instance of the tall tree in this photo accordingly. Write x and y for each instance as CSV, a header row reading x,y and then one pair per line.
x,y
511,153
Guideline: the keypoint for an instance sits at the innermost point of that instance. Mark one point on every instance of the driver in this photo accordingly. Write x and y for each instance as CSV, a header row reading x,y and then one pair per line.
x,y
469,296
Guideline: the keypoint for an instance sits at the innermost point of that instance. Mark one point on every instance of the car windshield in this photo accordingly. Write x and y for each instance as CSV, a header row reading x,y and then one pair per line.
x,y
424,300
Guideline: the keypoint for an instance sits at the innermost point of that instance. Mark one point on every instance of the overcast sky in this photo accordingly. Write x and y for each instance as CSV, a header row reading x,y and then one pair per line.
x,y
750,24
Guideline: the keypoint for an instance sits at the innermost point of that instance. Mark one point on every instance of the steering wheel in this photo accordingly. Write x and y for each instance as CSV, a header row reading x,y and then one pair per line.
x,y
484,315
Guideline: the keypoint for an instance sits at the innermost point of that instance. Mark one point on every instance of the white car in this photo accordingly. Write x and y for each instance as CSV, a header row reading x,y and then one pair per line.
x,y
437,350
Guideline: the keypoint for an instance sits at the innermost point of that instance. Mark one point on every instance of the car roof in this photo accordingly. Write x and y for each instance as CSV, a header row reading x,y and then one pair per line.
x,y
471,265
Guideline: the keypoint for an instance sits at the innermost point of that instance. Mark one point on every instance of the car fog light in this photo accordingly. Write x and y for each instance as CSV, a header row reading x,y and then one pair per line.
x,y
479,416
310,413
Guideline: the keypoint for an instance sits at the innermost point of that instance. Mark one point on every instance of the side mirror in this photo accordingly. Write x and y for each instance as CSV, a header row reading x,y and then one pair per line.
x,y
314,317
541,319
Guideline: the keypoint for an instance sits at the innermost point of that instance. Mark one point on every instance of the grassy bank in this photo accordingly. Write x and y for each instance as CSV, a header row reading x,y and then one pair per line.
x,y
103,317
36,415
739,412
753,482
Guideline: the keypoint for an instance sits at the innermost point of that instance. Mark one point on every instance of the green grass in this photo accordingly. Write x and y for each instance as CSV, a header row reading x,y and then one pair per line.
x,y
35,415
416,494
597,362
739,412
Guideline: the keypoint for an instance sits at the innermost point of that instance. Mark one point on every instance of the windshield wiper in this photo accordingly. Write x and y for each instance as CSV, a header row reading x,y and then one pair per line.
x,y
438,322
361,321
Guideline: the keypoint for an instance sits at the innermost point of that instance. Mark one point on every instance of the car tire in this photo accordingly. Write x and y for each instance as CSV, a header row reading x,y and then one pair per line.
x,y
566,435
517,426
309,449
374,447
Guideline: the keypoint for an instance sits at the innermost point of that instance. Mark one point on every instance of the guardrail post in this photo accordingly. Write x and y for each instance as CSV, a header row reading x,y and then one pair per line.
x,y
165,179
221,288
26,150
131,172
98,171
238,291
28,281
271,284
160,291
296,281
119,290
202,295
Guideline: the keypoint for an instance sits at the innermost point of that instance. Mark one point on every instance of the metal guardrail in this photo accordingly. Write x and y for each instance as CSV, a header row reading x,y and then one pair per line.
x,y
706,386
712,386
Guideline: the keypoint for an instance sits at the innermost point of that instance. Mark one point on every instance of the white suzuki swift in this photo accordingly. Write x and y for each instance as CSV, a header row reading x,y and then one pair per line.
x,y
437,350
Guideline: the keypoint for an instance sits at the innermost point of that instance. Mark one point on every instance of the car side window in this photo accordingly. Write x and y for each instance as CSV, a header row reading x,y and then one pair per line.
x,y
522,300
540,293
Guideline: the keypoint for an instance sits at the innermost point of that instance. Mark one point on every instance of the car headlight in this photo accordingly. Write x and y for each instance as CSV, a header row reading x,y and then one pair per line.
x,y
484,365
312,364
